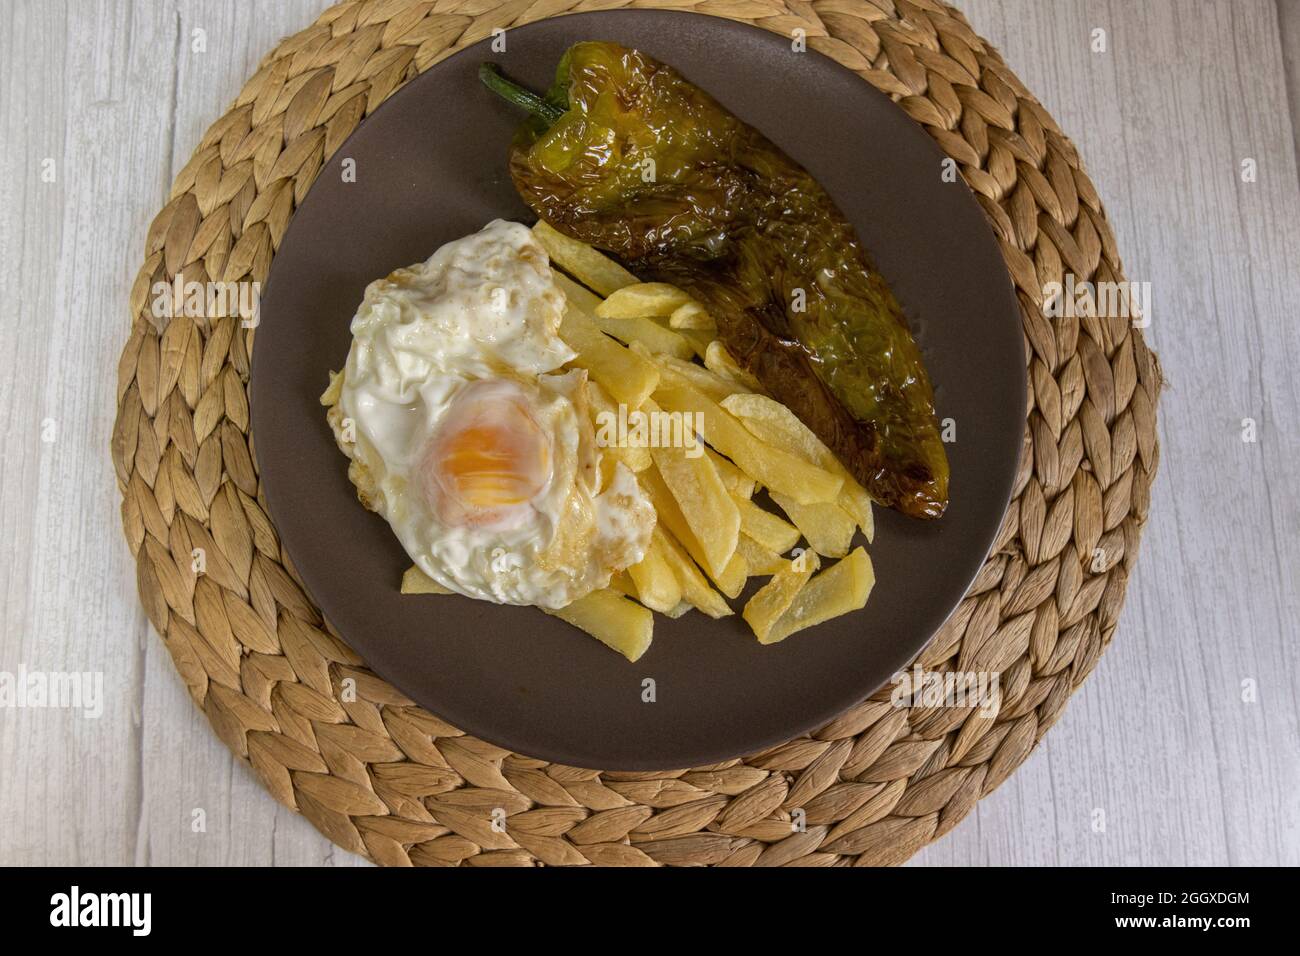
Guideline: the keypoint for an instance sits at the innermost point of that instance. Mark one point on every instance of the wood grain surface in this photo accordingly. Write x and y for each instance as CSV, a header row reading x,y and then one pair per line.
x,y
1180,749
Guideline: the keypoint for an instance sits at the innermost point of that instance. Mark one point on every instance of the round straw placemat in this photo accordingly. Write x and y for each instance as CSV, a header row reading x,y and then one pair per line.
x,y
384,778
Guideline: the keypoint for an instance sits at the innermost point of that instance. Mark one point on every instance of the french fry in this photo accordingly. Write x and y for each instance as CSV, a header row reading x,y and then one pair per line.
x,y
771,467
655,337
615,621
695,587
738,483
692,315
636,457
593,269
841,588
702,500
731,579
769,530
719,361
629,378
680,540
576,294
761,561
415,581
657,586
763,612
622,582
775,424
627,329
827,527
699,339
677,372
654,299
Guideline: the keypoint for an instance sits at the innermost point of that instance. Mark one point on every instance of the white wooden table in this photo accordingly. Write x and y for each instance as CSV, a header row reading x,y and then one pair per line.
x,y
1186,739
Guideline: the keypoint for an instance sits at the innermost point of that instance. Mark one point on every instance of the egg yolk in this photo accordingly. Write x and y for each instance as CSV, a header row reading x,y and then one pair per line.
x,y
488,458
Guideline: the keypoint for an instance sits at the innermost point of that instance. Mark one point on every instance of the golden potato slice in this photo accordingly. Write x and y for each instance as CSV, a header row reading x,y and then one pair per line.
x,y
675,371
761,561
657,299
841,588
771,467
692,315
765,609
415,581
680,609
604,417
593,269
827,527
695,587
775,424
617,622
680,540
699,339
578,295
657,586
710,513
731,580
738,483
648,332
719,361
622,582
860,511
771,531
628,377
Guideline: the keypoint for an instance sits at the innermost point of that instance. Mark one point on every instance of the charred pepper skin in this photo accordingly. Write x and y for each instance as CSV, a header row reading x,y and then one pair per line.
x,y
627,155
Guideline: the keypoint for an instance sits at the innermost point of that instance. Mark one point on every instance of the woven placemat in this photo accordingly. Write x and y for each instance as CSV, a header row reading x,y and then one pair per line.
x,y
382,777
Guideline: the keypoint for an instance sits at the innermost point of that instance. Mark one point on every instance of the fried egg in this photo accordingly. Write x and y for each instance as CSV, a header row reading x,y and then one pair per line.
x,y
468,438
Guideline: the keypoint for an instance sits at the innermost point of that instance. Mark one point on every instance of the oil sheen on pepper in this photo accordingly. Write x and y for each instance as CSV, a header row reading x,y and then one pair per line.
x,y
627,155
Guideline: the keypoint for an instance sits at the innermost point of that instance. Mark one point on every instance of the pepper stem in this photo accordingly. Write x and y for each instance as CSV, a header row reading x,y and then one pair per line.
x,y
518,95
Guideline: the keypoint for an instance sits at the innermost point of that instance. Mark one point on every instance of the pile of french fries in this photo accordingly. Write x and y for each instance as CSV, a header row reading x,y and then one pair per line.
x,y
650,347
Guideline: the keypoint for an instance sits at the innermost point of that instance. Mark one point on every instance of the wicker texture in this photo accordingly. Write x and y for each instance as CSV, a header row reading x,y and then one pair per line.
x,y
380,776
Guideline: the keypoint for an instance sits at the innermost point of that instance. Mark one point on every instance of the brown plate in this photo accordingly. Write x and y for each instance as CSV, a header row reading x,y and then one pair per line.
x,y
431,167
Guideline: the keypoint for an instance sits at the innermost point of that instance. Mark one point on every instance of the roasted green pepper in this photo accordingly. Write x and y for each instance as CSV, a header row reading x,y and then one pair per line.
x,y
627,155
